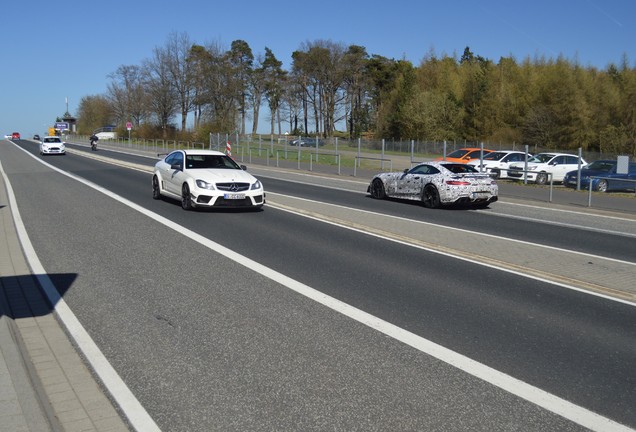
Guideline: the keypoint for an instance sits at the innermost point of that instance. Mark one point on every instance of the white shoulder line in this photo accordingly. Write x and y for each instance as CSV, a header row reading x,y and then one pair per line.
x,y
125,399
548,401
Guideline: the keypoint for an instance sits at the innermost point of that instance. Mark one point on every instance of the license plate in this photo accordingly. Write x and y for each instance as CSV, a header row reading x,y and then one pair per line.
x,y
234,196
477,195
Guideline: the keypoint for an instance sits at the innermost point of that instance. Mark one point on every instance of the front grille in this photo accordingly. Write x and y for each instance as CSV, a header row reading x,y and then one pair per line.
x,y
233,187
515,172
222,202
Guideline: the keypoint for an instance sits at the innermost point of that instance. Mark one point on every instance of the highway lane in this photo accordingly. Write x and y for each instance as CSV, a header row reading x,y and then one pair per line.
x,y
603,237
504,321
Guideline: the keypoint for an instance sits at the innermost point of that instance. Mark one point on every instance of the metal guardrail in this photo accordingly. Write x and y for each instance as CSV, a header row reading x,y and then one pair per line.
x,y
357,160
525,179
589,188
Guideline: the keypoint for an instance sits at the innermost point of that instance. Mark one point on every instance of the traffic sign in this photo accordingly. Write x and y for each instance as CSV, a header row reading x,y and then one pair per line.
x,y
61,126
128,125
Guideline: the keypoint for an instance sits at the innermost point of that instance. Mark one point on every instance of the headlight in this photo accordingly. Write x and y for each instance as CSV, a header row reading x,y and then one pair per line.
x,y
204,185
256,185
532,168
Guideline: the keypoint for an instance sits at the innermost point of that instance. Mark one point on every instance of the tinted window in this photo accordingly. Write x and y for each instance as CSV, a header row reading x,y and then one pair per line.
x,y
601,165
210,162
175,158
460,168
494,156
457,153
542,158
515,157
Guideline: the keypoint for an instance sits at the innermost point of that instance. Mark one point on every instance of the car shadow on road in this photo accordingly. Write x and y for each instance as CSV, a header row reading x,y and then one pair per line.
x,y
458,206
246,209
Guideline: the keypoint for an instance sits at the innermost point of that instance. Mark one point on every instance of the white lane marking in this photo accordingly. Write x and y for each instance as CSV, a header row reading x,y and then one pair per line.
x,y
563,224
569,211
492,212
132,409
448,254
456,229
545,400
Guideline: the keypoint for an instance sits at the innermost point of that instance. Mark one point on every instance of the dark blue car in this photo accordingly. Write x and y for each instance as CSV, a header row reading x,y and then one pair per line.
x,y
605,177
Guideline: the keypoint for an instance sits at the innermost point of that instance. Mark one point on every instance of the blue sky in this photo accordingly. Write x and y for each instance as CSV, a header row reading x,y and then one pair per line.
x,y
52,51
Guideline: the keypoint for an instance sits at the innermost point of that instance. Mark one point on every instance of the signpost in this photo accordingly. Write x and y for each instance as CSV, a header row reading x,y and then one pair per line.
x,y
61,126
129,127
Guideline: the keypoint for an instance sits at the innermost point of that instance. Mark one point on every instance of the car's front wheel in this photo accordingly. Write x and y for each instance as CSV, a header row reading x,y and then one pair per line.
x,y
186,198
377,189
542,178
156,191
602,186
430,197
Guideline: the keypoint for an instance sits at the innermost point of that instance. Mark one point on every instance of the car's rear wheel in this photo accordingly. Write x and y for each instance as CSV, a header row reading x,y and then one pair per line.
x,y
602,186
186,198
495,173
430,197
542,178
377,189
156,191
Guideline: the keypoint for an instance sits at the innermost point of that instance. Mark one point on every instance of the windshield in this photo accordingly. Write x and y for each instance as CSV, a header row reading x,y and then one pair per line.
x,y
52,140
458,168
210,162
541,158
494,156
605,166
458,153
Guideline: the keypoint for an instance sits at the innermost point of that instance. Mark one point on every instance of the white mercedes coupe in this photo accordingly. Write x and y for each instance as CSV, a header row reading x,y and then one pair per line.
x,y
206,178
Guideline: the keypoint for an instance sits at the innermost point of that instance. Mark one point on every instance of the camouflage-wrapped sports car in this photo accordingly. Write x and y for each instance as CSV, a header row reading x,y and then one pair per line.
x,y
436,184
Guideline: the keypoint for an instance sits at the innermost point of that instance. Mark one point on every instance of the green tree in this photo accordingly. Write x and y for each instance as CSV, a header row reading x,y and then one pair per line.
x,y
275,78
94,112
241,60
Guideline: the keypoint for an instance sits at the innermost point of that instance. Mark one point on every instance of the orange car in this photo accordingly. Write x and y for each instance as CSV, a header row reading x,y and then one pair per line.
x,y
464,155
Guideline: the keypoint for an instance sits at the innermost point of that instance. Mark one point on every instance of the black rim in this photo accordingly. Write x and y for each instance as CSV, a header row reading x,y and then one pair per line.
x,y
430,197
155,187
377,189
185,197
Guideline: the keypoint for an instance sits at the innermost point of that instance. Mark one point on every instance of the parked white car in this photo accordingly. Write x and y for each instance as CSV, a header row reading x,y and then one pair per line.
x,y
206,178
542,165
52,145
497,163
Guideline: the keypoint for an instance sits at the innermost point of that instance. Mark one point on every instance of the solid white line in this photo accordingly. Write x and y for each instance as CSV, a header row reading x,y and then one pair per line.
x,y
568,211
132,409
455,256
563,224
559,406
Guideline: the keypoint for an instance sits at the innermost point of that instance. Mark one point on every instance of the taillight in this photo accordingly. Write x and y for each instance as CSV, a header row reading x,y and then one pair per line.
x,y
458,182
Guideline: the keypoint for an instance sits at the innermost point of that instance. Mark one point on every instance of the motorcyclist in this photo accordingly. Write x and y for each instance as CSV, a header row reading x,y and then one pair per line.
x,y
94,140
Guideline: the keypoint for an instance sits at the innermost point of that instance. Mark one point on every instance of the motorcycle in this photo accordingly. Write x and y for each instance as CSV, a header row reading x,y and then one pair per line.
x,y
94,145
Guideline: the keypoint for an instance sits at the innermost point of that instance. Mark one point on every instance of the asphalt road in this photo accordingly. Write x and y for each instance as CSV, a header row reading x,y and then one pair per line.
x,y
206,343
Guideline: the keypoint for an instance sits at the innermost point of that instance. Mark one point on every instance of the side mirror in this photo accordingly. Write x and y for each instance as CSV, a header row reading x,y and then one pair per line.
x,y
176,167
243,167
